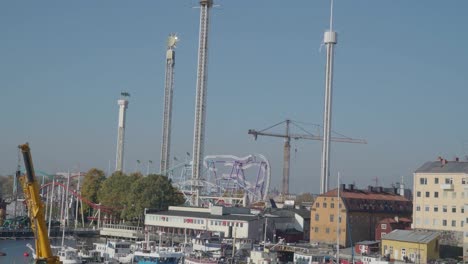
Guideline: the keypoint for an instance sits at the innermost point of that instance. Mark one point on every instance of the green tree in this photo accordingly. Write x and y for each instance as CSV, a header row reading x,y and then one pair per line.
x,y
91,184
304,197
6,185
114,190
152,191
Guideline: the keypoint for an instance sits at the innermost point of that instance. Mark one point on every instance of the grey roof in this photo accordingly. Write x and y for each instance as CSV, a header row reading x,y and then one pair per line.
x,y
239,217
449,167
411,236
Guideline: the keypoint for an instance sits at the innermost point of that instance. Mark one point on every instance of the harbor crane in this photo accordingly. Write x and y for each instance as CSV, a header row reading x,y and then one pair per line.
x,y
287,145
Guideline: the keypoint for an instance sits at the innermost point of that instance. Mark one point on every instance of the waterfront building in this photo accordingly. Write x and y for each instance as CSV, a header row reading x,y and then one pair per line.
x,y
411,245
226,222
441,200
359,212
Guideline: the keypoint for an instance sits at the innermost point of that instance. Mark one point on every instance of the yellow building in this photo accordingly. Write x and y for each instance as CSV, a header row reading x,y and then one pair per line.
x,y
441,199
415,246
359,213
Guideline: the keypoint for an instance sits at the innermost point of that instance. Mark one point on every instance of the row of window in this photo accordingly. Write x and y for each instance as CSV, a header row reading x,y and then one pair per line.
x,y
444,208
423,181
332,218
435,222
324,205
196,221
445,194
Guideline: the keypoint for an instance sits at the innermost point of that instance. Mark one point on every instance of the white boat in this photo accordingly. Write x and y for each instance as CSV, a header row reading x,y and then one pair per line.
x,y
161,255
200,261
67,255
114,250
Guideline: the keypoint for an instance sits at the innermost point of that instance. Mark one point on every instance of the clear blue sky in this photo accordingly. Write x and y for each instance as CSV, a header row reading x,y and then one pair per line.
x,y
400,82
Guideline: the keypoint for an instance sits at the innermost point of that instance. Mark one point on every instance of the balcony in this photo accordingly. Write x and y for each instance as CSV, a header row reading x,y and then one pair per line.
x,y
446,186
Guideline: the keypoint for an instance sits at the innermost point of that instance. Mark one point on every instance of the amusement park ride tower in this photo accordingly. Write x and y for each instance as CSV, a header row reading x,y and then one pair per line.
x,y
329,39
200,101
168,92
123,104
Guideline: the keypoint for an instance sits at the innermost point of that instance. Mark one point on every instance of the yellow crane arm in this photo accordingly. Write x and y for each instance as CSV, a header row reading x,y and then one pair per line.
x,y
36,210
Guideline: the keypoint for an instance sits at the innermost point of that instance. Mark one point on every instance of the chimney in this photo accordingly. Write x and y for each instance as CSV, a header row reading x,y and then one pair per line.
x,y
457,159
397,219
351,187
343,187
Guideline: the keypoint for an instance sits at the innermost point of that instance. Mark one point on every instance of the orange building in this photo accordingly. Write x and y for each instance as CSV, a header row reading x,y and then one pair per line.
x,y
359,211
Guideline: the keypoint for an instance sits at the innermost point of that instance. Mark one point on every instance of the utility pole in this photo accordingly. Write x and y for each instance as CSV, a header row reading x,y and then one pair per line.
x,y
200,101
287,145
167,111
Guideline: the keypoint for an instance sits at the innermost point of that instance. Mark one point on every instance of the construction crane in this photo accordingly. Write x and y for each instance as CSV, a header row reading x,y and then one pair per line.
x,y
287,145
36,211
200,101
168,92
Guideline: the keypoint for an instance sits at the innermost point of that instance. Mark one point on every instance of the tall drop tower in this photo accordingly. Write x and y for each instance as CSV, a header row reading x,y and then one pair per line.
x,y
168,92
329,39
200,100
123,105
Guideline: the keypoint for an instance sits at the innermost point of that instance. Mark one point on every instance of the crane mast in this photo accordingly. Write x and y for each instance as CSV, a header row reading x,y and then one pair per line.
x,y
36,210
200,101
168,93
287,146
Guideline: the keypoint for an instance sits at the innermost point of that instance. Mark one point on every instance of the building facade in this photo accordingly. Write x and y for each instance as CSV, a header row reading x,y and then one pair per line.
x,y
228,222
411,245
387,225
441,199
357,212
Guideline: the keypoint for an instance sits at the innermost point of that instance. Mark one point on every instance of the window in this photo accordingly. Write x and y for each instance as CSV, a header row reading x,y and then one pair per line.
x,y
339,205
332,205
436,180
465,181
427,194
317,205
436,208
317,217
403,252
461,223
332,218
454,209
445,194
426,208
316,229
448,180
418,208
454,223
444,222
462,209
426,221
382,234
339,219
435,222
383,226
436,194
418,194
444,208
454,195
423,181
327,230
324,205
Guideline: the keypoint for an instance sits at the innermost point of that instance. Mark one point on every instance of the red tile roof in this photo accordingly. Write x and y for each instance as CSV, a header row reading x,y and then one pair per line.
x,y
365,195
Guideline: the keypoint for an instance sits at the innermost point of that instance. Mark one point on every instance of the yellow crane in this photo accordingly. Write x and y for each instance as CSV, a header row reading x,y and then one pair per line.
x,y
36,211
